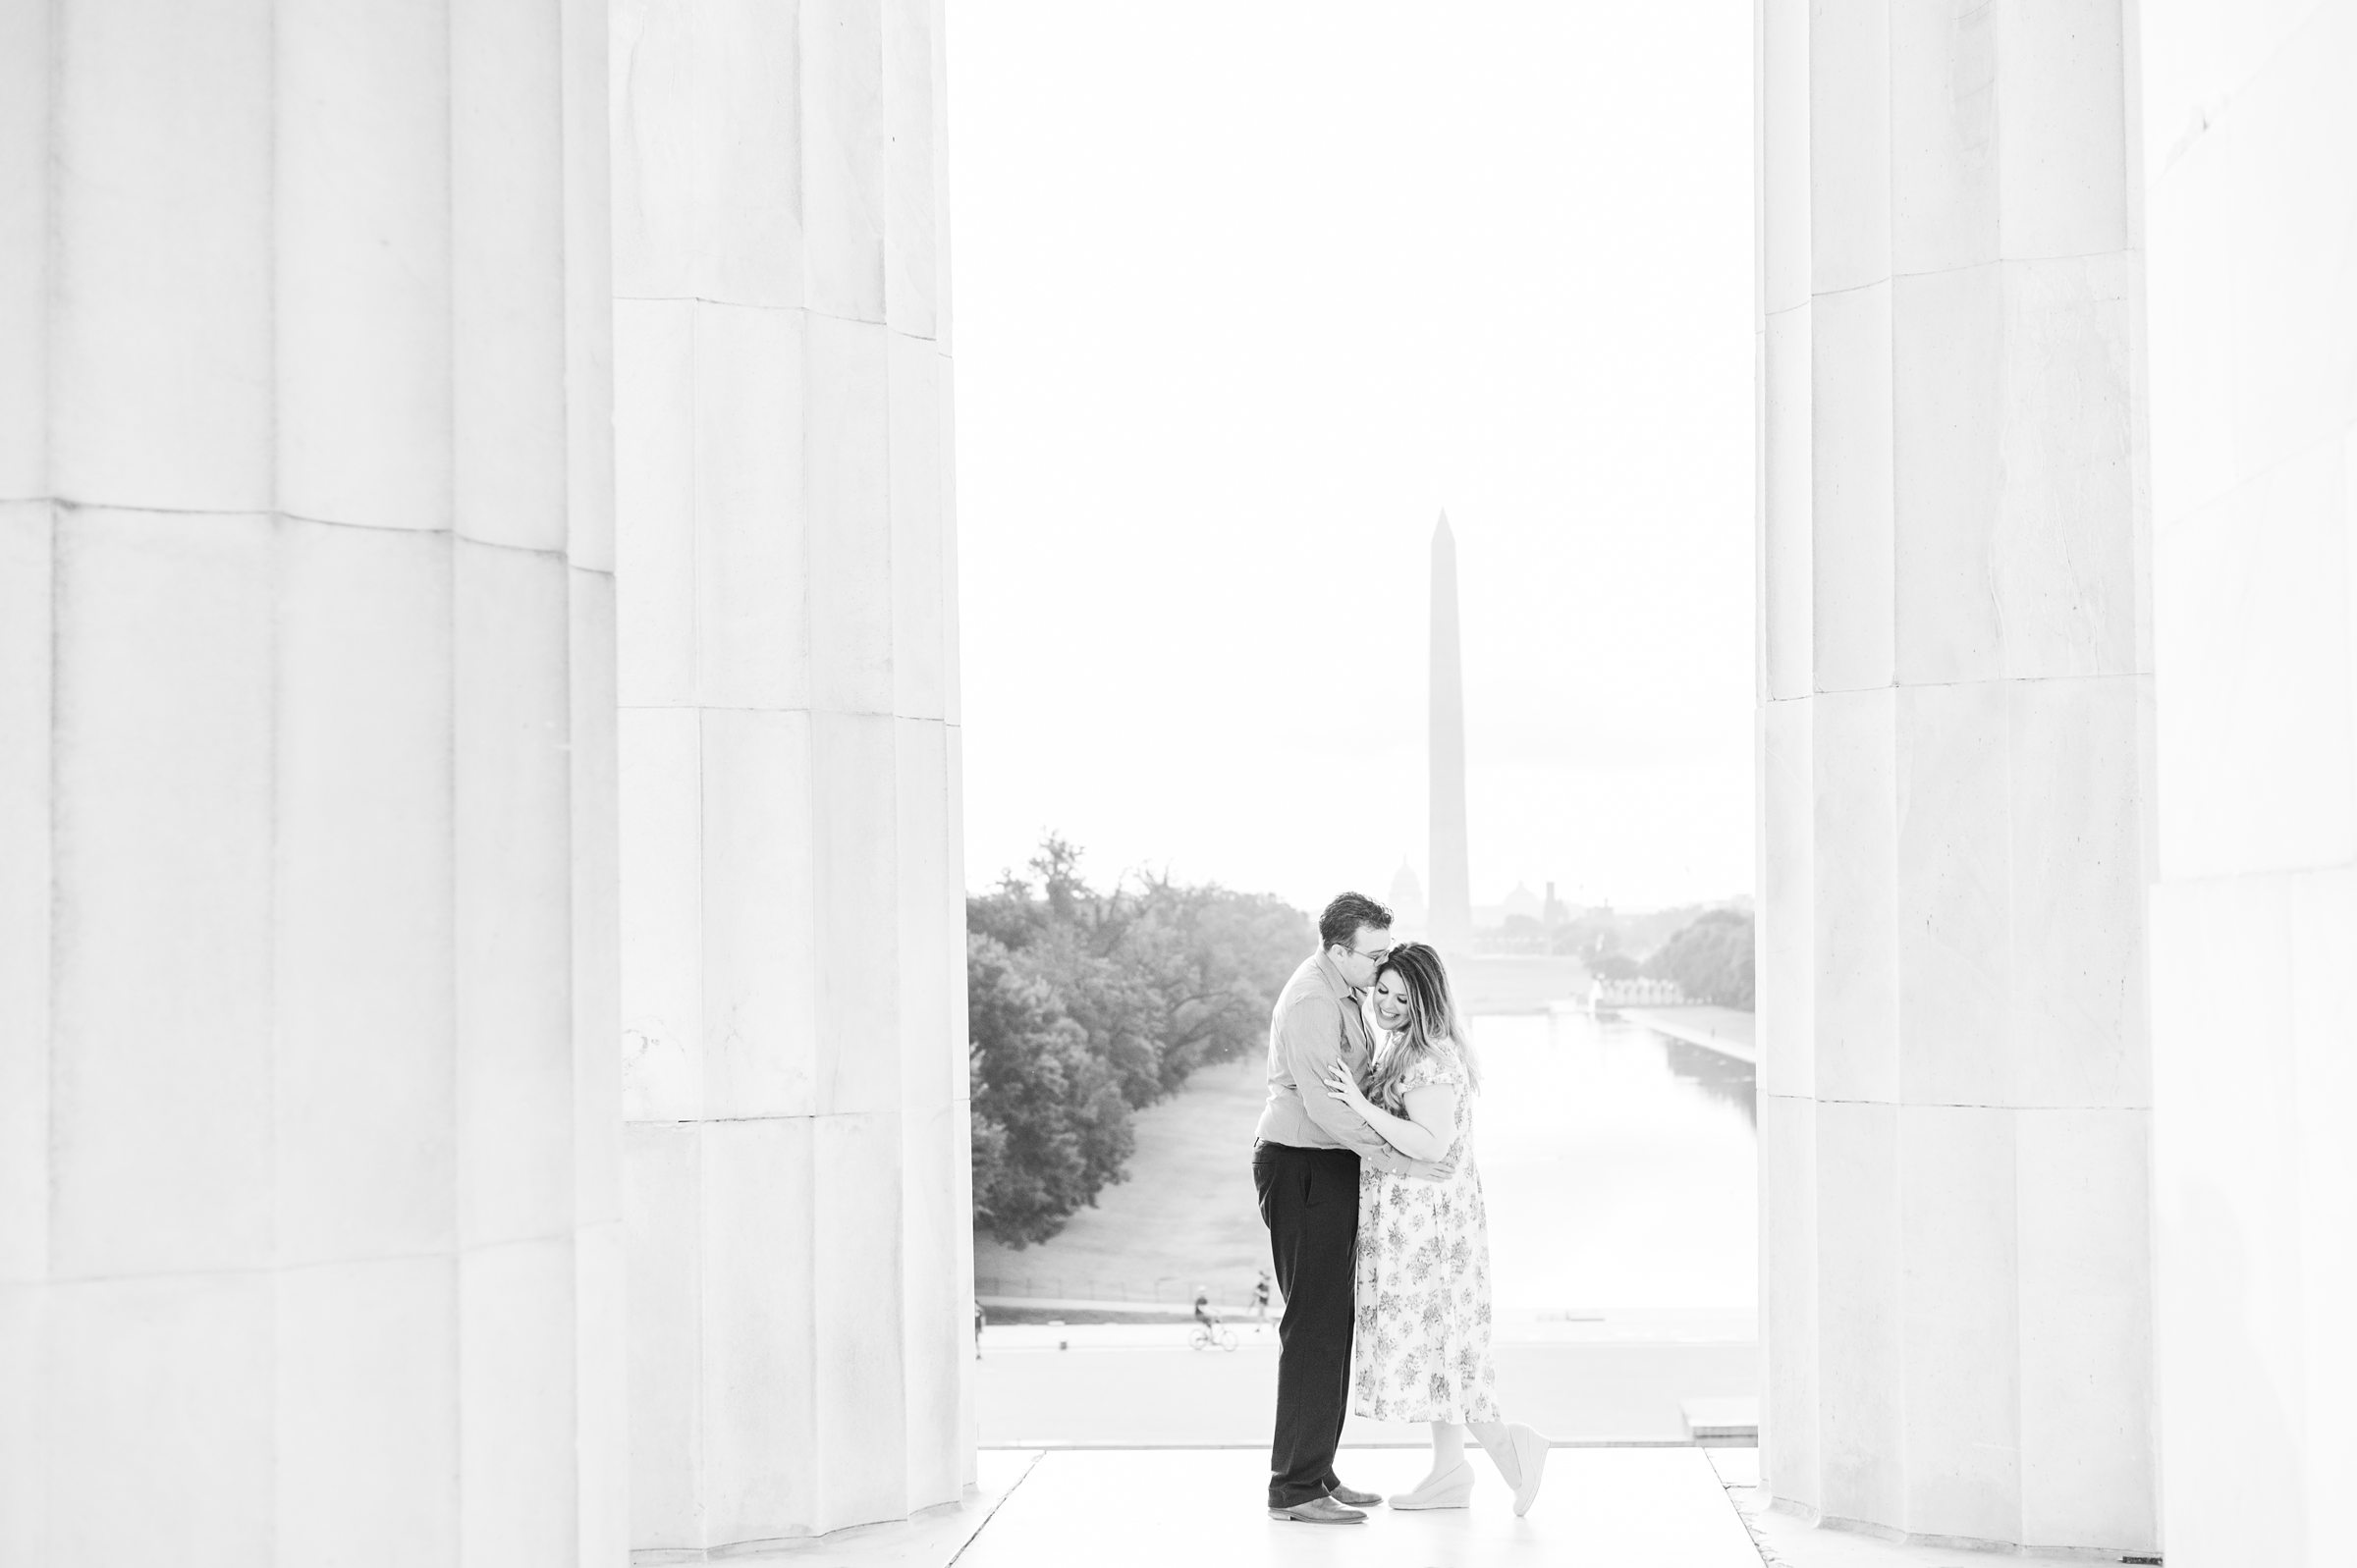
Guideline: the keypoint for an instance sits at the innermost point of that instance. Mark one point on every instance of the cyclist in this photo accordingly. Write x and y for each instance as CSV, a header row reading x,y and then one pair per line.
x,y
1203,1312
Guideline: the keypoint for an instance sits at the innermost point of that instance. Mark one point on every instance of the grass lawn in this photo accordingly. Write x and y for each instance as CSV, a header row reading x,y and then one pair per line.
x,y
1186,1217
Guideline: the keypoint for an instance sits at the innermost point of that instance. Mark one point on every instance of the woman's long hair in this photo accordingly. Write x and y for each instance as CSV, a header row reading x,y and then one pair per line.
x,y
1432,1025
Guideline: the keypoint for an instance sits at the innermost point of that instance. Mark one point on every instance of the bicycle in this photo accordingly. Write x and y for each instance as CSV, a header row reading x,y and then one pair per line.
x,y
1211,1337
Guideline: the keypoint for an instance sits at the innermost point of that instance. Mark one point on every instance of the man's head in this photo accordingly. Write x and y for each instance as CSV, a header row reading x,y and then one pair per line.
x,y
1356,932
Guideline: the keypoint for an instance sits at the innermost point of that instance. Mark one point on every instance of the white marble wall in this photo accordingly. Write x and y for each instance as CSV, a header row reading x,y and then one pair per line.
x,y
2250,156
793,993
1954,760
310,1238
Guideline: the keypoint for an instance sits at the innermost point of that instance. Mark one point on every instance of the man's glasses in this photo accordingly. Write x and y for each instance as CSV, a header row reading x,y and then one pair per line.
x,y
1378,957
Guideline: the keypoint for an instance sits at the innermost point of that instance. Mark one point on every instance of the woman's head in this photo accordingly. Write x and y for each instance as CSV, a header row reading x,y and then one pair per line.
x,y
1413,1002
1411,988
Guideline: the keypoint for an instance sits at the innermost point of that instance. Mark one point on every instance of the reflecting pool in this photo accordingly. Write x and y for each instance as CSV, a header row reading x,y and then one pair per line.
x,y
1619,1165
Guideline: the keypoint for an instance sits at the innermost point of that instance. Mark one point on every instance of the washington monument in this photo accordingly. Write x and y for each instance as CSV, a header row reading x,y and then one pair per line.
x,y
1452,887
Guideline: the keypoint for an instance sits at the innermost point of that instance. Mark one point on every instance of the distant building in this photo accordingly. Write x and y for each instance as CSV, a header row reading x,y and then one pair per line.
x,y
1521,901
1409,913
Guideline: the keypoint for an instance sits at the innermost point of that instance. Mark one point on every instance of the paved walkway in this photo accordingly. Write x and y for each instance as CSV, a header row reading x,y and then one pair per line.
x,y
1722,1028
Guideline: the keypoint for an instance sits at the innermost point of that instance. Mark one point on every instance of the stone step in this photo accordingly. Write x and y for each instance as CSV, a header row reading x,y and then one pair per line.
x,y
1733,1422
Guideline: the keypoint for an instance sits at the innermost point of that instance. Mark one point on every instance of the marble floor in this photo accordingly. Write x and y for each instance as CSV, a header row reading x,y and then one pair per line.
x,y
1613,1507
1784,1542
1630,1507
1627,1507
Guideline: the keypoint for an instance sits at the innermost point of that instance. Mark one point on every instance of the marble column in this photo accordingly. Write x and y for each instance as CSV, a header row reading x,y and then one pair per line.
x,y
1955,764
1445,746
793,991
2250,152
310,1232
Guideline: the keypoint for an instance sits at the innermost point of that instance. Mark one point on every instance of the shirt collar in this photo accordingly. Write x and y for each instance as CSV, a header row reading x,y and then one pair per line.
x,y
1332,973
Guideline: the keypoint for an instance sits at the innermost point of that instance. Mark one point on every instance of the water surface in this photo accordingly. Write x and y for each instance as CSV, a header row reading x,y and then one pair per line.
x,y
1620,1166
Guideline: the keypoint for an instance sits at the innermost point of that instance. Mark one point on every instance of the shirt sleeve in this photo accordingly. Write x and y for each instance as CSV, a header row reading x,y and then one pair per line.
x,y
1310,1034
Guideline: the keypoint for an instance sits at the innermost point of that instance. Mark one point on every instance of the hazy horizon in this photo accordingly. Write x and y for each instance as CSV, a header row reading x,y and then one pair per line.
x,y
1233,325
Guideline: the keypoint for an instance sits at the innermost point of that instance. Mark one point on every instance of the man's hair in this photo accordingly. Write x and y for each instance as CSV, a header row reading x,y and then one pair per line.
x,y
1349,911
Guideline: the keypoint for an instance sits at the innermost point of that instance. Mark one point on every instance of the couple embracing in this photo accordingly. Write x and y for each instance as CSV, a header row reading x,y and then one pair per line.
x,y
1364,1164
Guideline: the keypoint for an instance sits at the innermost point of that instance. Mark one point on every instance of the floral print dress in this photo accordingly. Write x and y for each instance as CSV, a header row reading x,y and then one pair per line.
x,y
1423,1339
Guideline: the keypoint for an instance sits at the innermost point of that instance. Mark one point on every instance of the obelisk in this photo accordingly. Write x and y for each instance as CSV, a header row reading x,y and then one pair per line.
x,y
1451,887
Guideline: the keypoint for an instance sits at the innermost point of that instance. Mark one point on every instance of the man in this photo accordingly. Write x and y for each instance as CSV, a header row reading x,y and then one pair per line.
x,y
1305,1162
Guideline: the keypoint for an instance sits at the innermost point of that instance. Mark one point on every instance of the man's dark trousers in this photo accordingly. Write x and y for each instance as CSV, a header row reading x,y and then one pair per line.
x,y
1309,1200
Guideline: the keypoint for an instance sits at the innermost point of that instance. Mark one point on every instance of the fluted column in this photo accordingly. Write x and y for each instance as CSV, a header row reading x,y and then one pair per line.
x,y
794,950
1954,773
2252,169
309,1237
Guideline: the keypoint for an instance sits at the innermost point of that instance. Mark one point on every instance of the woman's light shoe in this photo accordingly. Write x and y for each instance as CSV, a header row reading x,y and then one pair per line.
x,y
1452,1489
1530,1464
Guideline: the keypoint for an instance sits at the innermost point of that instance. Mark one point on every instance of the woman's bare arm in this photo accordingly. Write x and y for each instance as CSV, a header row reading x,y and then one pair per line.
x,y
1424,1133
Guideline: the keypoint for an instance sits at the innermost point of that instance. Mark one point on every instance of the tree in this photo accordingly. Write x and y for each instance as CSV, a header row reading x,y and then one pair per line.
x,y
1050,1125
1211,963
1710,958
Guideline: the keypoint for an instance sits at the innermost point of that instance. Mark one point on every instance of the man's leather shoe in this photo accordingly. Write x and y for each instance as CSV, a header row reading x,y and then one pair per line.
x,y
1356,1499
1318,1511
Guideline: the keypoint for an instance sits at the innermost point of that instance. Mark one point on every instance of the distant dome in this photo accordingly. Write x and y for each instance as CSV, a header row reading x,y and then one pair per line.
x,y
1522,901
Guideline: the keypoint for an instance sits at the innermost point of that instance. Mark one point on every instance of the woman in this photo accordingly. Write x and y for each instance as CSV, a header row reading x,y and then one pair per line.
x,y
1423,1289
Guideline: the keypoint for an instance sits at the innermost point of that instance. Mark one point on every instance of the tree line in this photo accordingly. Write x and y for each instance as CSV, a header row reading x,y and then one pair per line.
x,y
1088,1005
1710,957
1706,950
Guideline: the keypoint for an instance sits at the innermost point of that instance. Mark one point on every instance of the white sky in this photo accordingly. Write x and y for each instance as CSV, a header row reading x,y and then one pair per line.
x,y
1245,293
